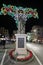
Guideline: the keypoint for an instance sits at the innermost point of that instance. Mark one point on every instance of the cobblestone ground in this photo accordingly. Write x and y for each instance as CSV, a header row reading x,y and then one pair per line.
x,y
1,54
9,61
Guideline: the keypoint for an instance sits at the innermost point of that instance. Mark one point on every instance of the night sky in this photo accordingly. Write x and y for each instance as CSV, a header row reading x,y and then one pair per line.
x,y
8,21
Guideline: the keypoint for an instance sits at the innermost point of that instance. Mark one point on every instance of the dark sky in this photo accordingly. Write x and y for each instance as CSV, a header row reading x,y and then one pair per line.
x,y
26,3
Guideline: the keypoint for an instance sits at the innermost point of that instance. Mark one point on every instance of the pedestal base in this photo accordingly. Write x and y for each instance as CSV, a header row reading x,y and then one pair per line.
x,y
21,43
21,57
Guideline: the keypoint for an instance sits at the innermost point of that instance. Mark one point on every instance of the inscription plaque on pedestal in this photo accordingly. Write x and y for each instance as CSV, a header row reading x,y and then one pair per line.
x,y
20,42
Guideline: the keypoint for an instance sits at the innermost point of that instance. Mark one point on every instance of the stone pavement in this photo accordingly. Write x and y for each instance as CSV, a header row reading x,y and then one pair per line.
x,y
9,61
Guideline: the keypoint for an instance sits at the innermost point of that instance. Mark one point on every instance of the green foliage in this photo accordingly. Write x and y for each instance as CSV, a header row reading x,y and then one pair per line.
x,y
12,10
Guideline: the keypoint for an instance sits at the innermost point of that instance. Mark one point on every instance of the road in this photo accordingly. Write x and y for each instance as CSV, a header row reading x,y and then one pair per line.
x,y
9,45
37,49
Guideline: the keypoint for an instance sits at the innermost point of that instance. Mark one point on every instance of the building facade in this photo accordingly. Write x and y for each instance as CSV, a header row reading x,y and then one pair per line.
x,y
37,33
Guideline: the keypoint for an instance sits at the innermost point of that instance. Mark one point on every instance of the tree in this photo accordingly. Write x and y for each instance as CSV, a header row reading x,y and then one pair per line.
x,y
19,14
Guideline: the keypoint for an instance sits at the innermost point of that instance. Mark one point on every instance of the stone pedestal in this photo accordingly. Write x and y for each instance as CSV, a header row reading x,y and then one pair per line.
x,y
21,43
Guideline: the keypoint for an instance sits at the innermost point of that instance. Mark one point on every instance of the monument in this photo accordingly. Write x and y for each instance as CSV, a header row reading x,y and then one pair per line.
x,y
20,16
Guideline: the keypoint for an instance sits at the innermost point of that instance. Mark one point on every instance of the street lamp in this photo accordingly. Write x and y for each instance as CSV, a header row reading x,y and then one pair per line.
x,y
35,30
